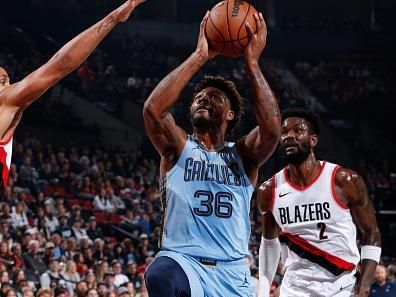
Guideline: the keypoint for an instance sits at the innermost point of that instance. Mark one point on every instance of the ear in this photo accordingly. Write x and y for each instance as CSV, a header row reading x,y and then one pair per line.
x,y
314,140
230,115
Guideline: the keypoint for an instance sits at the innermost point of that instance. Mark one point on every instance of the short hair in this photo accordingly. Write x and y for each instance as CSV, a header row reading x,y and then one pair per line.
x,y
42,292
230,90
307,115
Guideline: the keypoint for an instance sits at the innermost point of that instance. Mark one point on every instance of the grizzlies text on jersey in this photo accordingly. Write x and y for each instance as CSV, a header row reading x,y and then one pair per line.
x,y
206,202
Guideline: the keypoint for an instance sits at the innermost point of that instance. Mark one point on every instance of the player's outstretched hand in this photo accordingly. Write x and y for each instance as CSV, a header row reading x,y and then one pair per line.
x,y
203,46
258,40
123,12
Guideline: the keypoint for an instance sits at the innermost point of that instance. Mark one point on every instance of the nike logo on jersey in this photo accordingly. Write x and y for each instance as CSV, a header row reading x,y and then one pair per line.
x,y
342,288
282,195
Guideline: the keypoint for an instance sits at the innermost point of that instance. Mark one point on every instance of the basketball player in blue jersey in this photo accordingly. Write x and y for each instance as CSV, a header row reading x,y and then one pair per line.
x,y
314,208
207,182
16,97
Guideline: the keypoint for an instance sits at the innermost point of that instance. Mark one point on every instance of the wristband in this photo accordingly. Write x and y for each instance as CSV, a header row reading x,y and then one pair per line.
x,y
370,252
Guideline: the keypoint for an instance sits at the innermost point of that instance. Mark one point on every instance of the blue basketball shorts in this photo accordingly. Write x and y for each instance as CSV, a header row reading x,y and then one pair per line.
x,y
206,277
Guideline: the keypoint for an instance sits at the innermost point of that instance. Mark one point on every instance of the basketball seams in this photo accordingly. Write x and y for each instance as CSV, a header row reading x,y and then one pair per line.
x,y
242,24
218,31
229,41
228,27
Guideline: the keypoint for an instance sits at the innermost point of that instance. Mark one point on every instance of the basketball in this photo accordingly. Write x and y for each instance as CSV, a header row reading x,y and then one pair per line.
x,y
225,28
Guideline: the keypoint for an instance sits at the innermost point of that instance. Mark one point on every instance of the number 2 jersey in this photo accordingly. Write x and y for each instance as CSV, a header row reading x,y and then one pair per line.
x,y
206,202
315,224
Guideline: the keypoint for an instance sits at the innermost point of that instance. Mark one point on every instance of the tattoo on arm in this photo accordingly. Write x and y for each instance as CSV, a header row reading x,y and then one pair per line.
x,y
106,23
273,108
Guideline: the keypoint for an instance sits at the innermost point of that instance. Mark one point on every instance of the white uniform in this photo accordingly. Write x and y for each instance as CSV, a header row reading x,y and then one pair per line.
x,y
321,237
5,160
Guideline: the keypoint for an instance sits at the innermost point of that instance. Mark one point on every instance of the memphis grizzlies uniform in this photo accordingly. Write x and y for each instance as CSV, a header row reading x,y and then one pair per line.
x,y
318,229
206,226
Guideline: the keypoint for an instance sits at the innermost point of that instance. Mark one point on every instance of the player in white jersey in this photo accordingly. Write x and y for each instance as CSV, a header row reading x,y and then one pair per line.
x,y
16,97
313,206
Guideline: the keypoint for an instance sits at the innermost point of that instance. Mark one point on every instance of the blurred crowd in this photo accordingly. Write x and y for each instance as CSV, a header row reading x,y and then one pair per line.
x,y
80,220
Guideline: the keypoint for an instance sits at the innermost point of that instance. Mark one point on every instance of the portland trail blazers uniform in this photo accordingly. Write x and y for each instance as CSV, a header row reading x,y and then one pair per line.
x,y
321,237
5,163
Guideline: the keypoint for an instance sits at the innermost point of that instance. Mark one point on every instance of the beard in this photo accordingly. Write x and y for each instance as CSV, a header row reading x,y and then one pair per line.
x,y
297,157
201,122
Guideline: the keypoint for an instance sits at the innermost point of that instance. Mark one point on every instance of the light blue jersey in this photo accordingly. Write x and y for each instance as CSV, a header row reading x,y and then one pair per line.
x,y
206,202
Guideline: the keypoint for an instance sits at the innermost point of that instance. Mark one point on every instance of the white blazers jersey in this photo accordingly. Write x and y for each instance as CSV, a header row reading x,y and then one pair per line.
x,y
315,224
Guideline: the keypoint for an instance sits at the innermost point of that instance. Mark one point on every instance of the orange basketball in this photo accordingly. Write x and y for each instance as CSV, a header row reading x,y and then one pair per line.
x,y
225,29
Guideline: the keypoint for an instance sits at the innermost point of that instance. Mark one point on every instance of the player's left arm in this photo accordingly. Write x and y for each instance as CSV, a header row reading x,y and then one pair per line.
x,y
351,188
256,147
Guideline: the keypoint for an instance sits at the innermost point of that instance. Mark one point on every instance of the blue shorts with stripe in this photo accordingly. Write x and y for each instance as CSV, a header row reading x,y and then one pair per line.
x,y
206,277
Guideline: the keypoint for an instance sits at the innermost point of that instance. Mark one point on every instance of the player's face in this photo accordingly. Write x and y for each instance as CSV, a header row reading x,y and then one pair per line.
x,y
4,79
296,141
210,106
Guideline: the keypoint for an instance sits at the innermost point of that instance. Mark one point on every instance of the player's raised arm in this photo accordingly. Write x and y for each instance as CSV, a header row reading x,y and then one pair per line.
x,y
269,252
351,188
260,143
167,137
67,59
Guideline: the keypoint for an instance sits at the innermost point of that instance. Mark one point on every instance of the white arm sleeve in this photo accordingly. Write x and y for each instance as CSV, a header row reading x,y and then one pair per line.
x,y
269,255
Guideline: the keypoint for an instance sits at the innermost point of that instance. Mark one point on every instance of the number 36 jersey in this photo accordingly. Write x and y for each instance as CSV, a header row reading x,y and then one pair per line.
x,y
206,201
315,223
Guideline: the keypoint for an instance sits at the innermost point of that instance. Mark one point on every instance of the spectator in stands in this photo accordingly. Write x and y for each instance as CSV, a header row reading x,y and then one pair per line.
x,y
90,279
103,202
75,213
120,278
81,289
88,257
60,292
93,232
34,264
77,230
382,286
11,293
115,200
6,257
27,292
6,213
51,221
44,293
4,277
51,278
101,268
392,270
119,254
49,247
82,268
63,229
17,257
28,175
92,292
124,292
19,218
102,290
5,231
100,252
109,279
71,277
